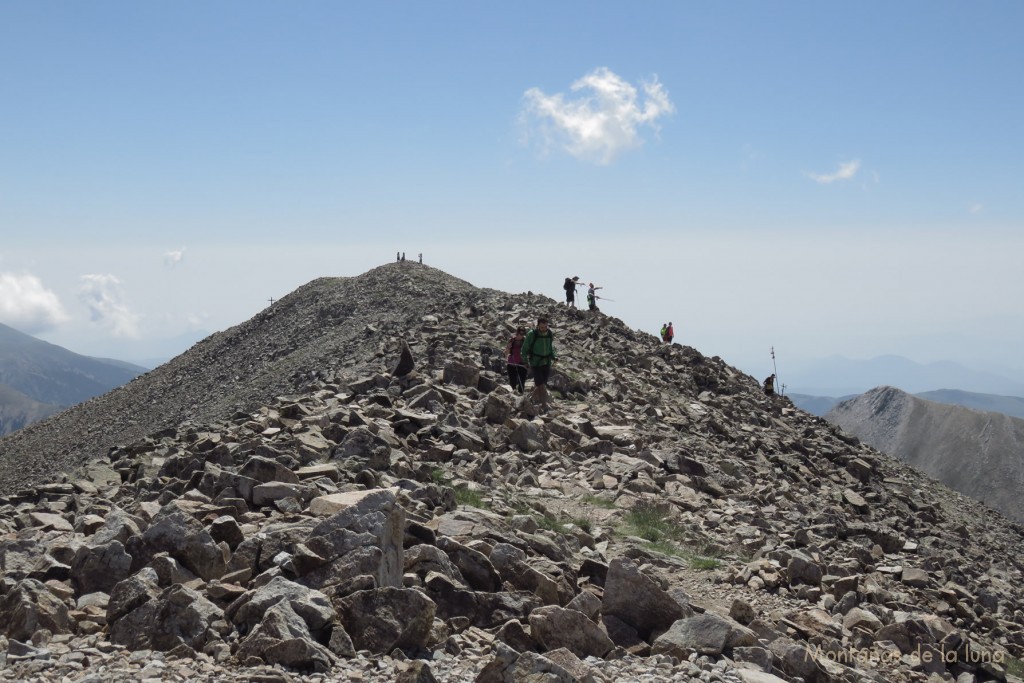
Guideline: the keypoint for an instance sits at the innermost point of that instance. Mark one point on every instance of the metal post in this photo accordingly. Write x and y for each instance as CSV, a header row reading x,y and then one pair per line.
x,y
775,371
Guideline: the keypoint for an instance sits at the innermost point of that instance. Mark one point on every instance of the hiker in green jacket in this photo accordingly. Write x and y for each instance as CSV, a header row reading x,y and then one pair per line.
x,y
539,353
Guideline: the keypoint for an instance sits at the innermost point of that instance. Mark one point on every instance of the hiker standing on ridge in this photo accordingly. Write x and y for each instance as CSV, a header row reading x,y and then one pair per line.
x,y
514,357
664,331
669,333
769,385
570,290
539,352
592,297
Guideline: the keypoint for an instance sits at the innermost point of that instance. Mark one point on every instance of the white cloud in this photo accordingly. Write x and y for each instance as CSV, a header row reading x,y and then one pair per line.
x,y
846,171
976,208
173,258
27,305
103,295
600,119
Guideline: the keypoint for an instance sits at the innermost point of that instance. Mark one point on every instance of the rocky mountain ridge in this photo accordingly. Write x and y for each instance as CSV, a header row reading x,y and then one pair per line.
x,y
978,453
394,512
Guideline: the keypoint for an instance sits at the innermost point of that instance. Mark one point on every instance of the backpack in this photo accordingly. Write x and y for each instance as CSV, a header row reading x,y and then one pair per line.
x,y
569,285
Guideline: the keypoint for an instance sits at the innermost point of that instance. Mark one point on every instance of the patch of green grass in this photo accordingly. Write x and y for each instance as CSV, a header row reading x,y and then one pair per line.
x,y
703,563
1014,666
470,498
438,476
649,523
599,502
663,536
549,521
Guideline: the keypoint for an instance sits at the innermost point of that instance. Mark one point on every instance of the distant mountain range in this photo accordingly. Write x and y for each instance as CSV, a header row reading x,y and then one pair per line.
x,y
977,453
1007,405
38,379
839,376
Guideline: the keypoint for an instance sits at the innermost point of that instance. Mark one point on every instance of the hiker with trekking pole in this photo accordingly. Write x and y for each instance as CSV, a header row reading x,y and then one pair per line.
x,y
517,370
539,352
592,297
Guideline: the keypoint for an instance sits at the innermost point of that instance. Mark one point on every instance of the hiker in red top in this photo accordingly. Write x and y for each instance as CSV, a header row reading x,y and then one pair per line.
x,y
516,366
669,333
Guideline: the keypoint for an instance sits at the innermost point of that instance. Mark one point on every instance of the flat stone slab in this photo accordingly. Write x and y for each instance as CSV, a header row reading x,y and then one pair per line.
x,y
325,506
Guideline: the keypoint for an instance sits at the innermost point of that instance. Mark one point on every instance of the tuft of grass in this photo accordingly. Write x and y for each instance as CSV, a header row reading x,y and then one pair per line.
x,y
648,522
663,536
703,563
470,498
584,524
550,523
599,502
437,476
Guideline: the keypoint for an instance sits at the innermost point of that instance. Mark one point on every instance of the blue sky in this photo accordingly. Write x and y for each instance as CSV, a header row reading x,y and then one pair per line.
x,y
824,178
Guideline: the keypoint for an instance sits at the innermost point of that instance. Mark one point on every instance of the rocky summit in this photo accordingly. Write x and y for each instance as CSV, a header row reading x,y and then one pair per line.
x,y
344,488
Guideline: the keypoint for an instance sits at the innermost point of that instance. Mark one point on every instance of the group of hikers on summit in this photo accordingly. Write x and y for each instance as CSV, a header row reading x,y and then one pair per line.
x,y
570,293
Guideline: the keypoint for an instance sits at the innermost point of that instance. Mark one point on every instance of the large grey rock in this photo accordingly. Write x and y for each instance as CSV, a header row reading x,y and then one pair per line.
x,y
99,567
464,375
117,525
383,619
529,436
184,538
705,634
422,558
282,637
796,659
406,363
263,470
182,617
556,627
366,446
372,521
311,605
29,607
637,600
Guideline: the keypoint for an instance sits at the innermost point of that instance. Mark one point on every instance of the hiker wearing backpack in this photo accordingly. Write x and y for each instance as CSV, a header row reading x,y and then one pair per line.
x,y
664,330
539,352
514,356
769,385
669,333
570,290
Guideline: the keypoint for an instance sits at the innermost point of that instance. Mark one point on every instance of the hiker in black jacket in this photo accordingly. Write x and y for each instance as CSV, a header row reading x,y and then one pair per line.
x,y
570,291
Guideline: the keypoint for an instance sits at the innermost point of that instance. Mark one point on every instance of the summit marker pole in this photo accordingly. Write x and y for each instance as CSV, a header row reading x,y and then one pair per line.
x,y
775,371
